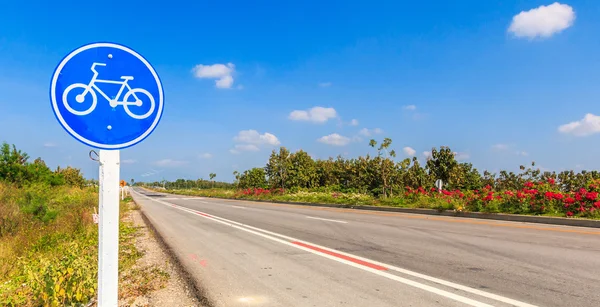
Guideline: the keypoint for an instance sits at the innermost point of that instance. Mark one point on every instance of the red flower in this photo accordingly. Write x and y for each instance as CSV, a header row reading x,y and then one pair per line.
x,y
558,196
597,205
529,184
551,181
569,213
591,195
549,195
489,197
520,194
569,200
488,187
509,193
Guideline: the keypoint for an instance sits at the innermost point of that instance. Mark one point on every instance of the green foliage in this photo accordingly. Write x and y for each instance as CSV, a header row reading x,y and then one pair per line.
x,y
253,178
15,168
187,184
442,164
48,245
381,180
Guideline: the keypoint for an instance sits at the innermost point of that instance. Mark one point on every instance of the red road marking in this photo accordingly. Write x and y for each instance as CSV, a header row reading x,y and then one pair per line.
x,y
203,214
358,261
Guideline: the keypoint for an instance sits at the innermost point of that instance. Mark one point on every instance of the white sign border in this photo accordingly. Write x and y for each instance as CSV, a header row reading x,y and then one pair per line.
x,y
63,123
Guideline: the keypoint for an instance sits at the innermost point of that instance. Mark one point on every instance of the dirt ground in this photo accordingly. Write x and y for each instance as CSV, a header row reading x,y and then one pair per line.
x,y
176,291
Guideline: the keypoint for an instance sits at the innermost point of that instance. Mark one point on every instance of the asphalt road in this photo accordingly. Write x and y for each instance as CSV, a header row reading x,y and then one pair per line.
x,y
259,254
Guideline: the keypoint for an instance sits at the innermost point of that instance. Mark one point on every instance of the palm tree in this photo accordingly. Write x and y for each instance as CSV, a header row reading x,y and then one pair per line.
x,y
212,176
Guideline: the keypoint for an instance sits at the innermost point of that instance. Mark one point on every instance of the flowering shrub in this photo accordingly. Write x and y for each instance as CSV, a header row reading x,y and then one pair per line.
x,y
543,197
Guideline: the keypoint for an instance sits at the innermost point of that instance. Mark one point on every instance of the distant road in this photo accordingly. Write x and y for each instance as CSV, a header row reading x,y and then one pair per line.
x,y
261,254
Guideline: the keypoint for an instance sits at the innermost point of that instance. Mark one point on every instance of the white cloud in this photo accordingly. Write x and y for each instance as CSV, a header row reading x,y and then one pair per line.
x,y
253,137
367,132
233,151
221,72
50,144
427,154
170,163
325,84
334,139
500,146
410,107
354,122
409,151
590,124
205,156
522,153
128,161
225,82
315,114
460,156
543,21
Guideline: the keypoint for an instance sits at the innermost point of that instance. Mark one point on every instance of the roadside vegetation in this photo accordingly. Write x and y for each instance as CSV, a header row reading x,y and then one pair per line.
x,y
49,241
381,180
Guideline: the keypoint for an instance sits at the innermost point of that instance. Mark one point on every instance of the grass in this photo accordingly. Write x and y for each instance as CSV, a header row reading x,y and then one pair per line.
x,y
49,248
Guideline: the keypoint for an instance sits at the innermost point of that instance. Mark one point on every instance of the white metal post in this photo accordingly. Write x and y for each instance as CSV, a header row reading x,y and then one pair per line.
x,y
108,234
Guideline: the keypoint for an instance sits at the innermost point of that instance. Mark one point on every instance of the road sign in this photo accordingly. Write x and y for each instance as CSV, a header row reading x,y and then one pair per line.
x,y
439,184
123,183
107,96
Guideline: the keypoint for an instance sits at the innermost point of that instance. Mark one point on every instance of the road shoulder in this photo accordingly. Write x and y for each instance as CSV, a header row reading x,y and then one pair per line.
x,y
176,291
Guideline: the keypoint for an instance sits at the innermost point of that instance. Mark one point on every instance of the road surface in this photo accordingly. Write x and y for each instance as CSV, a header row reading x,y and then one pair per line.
x,y
245,253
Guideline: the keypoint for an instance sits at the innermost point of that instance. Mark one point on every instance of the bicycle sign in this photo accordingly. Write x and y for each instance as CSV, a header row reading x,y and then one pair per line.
x,y
107,96
89,88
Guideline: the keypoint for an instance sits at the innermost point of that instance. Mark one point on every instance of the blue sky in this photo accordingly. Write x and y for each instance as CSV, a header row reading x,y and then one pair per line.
x,y
494,81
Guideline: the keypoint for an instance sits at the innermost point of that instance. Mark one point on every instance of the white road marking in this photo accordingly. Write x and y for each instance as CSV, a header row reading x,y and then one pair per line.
x,y
238,207
273,236
322,219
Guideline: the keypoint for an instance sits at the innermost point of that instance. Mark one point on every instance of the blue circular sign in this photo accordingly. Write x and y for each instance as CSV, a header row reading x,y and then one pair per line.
x,y
107,96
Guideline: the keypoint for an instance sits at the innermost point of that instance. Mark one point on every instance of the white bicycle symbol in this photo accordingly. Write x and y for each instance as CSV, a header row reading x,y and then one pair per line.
x,y
89,88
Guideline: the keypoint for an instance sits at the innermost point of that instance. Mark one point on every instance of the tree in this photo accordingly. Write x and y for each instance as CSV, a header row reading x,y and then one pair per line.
x,y
277,168
302,170
416,176
236,175
72,176
253,178
442,163
212,176
387,165
464,177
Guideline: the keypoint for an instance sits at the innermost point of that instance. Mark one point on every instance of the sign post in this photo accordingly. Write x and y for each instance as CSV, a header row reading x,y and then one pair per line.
x,y
439,184
122,184
109,97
